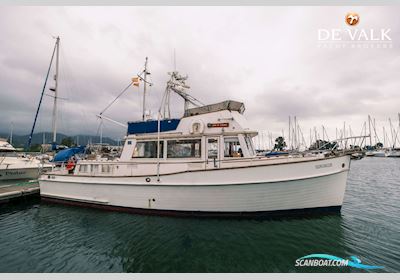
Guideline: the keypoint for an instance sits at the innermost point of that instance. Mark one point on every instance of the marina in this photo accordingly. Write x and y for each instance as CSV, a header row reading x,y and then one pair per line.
x,y
186,139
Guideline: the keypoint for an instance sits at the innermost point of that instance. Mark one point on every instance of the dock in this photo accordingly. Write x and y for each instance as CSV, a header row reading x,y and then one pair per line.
x,y
18,190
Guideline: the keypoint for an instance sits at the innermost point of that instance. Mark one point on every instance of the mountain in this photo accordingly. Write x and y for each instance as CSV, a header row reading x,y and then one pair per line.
x,y
20,141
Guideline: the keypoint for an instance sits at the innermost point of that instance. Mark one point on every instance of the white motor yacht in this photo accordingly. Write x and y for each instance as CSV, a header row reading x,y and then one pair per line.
x,y
203,164
14,166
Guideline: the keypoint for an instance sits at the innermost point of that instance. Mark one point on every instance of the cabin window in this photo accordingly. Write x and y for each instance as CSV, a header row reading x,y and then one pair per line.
x,y
232,147
184,148
83,168
212,148
106,168
147,149
95,168
129,142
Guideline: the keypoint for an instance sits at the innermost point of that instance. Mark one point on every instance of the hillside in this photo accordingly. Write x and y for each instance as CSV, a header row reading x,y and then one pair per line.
x,y
20,141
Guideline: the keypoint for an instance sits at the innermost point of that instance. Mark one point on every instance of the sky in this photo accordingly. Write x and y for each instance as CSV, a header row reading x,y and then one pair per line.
x,y
270,58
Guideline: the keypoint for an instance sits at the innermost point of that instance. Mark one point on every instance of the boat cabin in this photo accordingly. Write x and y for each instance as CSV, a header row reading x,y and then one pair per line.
x,y
214,132
208,137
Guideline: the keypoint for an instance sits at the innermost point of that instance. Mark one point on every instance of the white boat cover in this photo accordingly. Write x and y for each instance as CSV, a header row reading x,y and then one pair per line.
x,y
225,105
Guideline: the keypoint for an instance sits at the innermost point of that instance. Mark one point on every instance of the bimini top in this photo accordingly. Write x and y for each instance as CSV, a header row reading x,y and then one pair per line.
x,y
225,105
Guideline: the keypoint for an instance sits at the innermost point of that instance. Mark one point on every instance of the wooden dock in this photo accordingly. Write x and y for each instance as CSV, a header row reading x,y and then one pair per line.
x,y
18,190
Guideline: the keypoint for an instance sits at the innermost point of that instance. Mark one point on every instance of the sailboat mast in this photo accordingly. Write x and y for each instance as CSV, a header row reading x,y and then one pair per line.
x,y
11,133
369,124
144,90
55,92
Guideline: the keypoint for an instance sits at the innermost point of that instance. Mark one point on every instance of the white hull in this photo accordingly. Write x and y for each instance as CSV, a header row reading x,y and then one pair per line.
x,y
379,153
15,168
18,174
296,185
394,153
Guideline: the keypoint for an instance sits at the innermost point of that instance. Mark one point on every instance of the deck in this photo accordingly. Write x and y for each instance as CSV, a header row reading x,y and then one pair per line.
x,y
18,190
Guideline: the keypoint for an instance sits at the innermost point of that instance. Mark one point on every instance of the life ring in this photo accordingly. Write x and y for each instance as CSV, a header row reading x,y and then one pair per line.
x,y
196,127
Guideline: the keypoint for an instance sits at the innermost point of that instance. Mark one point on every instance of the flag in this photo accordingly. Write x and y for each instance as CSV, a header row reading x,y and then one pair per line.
x,y
135,81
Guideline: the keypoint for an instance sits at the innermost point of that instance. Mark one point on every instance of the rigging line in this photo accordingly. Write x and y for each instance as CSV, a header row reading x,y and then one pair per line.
x,y
119,95
41,96
98,128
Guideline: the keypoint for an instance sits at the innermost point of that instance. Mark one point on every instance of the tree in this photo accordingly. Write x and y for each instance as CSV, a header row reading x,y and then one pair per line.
x,y
68,141
323,145
35,148
280,144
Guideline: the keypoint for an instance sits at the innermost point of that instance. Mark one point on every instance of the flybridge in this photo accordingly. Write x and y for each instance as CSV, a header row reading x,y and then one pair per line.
x,y
225,105
151,126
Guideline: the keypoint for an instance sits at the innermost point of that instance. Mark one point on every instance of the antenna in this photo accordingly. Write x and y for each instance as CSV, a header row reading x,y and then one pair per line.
x,y
144,89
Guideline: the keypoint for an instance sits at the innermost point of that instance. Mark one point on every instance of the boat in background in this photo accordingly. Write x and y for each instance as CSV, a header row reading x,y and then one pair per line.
x,y
393,152
379,153
14,166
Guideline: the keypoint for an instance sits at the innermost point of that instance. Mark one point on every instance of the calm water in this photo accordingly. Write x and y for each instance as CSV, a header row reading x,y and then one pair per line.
x,y
39,237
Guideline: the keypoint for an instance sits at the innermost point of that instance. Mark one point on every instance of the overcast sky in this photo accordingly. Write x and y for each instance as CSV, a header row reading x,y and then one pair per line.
x,y
267,57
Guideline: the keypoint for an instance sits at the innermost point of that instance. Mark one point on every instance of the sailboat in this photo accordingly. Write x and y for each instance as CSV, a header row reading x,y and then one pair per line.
x,y
202,164
14,166
56,52
394,151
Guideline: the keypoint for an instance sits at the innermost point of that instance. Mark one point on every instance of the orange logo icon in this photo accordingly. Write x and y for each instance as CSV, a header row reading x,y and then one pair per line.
x,y
352,19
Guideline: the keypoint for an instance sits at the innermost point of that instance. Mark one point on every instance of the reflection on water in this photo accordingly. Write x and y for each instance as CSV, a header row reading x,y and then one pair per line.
x,y
38,237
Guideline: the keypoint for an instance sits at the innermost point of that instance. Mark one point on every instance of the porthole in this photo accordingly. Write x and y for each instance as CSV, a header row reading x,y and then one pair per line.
x,y
148,179
343,165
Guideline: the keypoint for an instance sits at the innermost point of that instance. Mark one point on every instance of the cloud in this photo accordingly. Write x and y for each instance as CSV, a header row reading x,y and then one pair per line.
x,y
266,57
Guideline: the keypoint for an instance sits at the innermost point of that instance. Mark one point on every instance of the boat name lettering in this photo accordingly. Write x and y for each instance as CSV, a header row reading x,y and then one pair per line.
x,y
323,165
217,125
15,172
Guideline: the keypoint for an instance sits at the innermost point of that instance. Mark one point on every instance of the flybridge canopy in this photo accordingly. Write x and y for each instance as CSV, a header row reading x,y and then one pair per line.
x,y
225,105
151,126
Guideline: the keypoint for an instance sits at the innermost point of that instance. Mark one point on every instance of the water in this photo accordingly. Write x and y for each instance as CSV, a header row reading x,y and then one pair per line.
x,y
39,237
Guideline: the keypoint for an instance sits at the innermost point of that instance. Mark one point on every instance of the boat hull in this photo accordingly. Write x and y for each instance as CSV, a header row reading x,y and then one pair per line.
x,y
267,189
317,211
19,173
393,154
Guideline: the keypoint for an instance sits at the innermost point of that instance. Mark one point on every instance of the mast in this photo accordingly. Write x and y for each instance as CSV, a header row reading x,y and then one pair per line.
x,y
56,91
11,132
391,132
144,90
370,137
290,140
295,133
384,137
41,98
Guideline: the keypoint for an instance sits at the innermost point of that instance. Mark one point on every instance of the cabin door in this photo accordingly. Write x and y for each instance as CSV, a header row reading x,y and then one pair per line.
x,y
212,157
